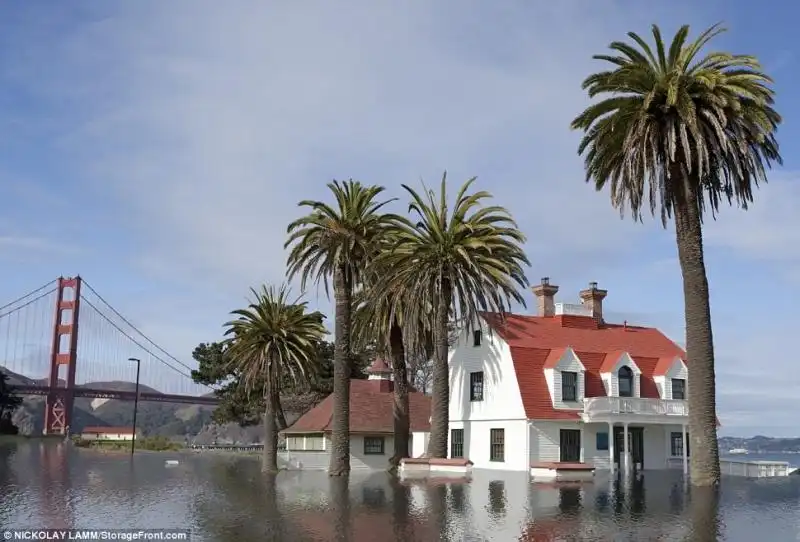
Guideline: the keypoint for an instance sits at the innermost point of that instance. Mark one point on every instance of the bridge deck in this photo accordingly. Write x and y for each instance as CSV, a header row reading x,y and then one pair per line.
x,y
119,394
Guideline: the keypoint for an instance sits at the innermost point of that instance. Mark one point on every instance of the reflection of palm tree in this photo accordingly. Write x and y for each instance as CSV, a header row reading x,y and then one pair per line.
x,y
437,508
6,479
229,512
339,494
704,502
401,509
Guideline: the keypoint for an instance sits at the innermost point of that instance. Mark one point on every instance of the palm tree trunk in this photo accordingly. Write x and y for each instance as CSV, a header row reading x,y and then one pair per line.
x,y
704,460
280,417
400,405
440,408
340,438
270,464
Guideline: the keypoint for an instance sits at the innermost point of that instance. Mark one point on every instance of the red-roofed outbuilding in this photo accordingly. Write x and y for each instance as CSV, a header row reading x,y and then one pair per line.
x,y
371,424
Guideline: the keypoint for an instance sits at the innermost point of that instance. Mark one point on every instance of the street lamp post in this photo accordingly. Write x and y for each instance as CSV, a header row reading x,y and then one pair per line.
x,y
135,402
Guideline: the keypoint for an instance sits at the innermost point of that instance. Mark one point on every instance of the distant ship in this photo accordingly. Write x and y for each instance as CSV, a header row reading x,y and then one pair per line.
x,y
738,451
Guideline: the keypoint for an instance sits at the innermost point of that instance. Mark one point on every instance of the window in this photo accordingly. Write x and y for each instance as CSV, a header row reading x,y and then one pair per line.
x,y
497,443
569,386
570,445
676,445
307,443
678,388
373,445
476,386
294,443
602,442
476,337
456,443
625,379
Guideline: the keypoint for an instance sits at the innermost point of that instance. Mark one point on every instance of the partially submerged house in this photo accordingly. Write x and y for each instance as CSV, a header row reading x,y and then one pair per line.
x,y
308,440
564,387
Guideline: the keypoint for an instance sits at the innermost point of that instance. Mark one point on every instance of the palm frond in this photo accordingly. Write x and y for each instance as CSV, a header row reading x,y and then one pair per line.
x,y
666,118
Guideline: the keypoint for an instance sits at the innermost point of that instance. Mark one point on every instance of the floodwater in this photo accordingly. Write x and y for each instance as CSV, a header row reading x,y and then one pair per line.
x,y
225,498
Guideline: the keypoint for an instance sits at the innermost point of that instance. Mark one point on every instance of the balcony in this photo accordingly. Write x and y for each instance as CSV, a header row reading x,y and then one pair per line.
x,y
612,407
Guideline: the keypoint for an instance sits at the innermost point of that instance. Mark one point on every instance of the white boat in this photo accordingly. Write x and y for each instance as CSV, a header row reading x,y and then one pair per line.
x,y
738,451
172,462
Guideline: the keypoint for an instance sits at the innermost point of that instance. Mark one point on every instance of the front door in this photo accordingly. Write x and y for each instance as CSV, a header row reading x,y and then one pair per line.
x,y
635,445
570,446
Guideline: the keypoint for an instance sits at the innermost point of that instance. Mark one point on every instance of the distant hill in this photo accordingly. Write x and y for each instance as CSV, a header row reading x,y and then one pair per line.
x,y
178,421
760,443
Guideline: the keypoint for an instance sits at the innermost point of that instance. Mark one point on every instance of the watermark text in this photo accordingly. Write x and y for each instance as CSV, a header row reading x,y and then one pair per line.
x,y
96,534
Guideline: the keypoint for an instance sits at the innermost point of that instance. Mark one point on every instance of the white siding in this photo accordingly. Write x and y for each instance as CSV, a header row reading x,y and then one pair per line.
x,y
601,459
477,443
419,444
359,460
501,397
312,460
545,443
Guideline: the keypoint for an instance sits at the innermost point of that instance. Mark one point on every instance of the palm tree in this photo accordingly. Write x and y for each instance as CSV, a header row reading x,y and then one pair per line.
x,y
378,320
682,133
457,264
336,243
270,343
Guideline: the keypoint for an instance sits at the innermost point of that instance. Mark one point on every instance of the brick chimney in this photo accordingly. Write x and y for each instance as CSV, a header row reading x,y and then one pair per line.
x,y
545,297
592,299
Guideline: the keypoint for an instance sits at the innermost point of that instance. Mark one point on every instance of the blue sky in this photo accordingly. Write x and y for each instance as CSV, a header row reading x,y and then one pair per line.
x,y
159,149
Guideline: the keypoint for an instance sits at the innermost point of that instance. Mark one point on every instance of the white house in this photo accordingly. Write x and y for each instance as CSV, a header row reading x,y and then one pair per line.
x,y
107,433
308,440
564,387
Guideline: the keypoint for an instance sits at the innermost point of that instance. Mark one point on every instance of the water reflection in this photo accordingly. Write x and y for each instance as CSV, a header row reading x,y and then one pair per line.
x,y
230,499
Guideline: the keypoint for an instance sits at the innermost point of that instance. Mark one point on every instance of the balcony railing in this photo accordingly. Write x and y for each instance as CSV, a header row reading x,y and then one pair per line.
x,y
603,406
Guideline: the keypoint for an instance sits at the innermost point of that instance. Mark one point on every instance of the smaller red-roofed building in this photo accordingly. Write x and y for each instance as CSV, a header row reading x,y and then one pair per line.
x,y
563,388
308,440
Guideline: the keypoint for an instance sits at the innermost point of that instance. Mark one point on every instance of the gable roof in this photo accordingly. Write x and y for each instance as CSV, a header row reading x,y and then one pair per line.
x,y
371,404
533,339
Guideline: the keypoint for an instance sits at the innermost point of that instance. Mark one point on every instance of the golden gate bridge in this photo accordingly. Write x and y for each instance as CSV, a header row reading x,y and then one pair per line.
x,y
64,340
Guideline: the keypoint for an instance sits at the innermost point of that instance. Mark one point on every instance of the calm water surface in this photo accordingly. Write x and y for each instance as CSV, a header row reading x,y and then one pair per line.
x,y
227,499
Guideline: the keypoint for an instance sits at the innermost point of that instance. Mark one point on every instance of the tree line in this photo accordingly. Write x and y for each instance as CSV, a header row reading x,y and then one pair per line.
x,y
9,403
669,131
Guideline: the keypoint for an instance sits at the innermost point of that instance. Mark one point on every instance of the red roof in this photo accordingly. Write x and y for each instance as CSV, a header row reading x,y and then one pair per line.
x,y
108,430
538,342
371,403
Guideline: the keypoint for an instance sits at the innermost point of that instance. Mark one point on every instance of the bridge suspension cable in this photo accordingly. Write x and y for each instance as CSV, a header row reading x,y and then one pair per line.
x,y
87,302
134,328
4,312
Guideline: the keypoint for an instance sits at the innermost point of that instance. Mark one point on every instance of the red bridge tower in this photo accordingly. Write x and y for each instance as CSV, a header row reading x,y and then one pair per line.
x,y
58,408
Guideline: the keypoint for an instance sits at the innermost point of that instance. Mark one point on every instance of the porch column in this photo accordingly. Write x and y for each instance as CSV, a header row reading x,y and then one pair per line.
x,y
685,450
583,444
611,447
627,451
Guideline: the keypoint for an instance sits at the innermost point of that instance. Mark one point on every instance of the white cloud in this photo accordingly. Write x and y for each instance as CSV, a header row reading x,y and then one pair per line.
x,y
199,126
765,231
210,124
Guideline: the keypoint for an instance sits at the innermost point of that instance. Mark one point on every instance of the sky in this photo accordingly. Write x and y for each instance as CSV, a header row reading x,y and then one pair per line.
x,y
159,150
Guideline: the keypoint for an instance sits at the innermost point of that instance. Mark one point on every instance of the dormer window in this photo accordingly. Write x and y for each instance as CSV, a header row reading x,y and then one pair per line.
x,y
569,386
477,336
625,381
